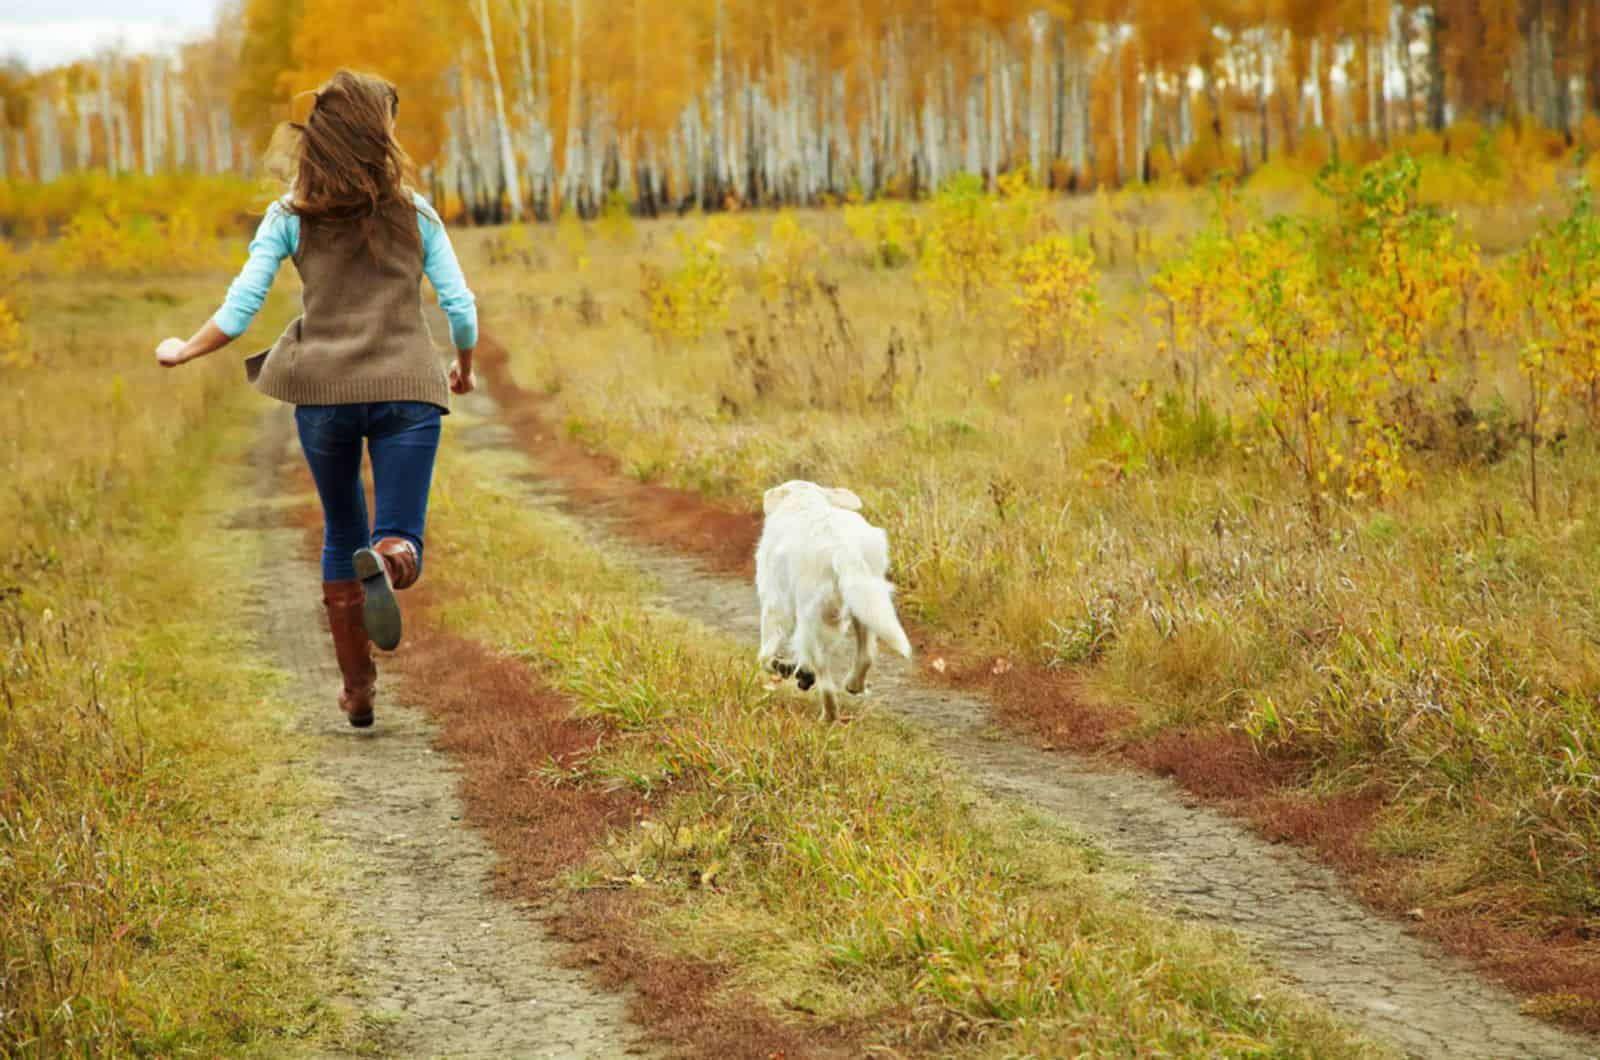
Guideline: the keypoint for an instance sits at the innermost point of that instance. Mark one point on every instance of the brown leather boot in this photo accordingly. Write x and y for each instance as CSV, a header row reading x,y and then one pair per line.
x,y
389,565
344,601
400,557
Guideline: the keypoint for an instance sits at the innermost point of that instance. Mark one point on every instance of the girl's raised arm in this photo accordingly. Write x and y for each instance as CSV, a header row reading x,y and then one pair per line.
x,y
274,240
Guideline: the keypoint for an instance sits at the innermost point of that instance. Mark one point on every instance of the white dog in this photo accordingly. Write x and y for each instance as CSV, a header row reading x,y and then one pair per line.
x,y
820,575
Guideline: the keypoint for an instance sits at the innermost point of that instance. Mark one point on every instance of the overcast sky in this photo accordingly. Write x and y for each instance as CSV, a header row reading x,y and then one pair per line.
x,y
46,32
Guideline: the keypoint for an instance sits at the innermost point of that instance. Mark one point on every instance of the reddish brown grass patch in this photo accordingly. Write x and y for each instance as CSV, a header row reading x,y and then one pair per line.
x,y
679,997
1049,704
661,515
1214,763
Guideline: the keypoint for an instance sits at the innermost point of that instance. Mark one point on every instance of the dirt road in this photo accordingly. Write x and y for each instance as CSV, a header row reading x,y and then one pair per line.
x,y
442,967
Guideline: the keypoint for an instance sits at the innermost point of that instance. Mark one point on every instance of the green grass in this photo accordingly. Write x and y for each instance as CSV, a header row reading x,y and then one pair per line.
x,y
844,875
158,895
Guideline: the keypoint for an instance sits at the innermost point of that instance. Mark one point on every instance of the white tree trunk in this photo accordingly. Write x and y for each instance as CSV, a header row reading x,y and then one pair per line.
x,y
124,126
508,154
83,153
574,158
48,136
158,111
1140,132
527,130
222,139
177,101
991,138
1316,82
1119,116
108,118
718,101
1038,24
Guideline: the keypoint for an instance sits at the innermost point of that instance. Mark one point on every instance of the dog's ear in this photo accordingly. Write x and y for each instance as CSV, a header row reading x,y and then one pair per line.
x,y
774,497
843,498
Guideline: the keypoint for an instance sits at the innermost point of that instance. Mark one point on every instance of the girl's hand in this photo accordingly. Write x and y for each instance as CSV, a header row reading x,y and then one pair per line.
x,y
171,352
462,379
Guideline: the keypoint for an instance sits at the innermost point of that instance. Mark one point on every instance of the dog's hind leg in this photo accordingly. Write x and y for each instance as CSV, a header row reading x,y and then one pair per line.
x,y
777,629
811,648
866,655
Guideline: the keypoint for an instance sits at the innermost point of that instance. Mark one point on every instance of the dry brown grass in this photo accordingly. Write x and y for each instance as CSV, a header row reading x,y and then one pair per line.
x,y
777,868
1438,649
156,897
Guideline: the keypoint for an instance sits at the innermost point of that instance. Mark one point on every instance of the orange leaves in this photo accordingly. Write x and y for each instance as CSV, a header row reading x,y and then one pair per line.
x,y
411,42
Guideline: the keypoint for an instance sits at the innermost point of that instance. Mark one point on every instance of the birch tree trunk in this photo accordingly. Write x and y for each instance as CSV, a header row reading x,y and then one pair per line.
x,y
203,157
107,117
1119,114
124,125
527,119
158,110
49,139
84,152
574,160
991,138
508,155
177,101
1141,133
1264,60
147,131
1317,117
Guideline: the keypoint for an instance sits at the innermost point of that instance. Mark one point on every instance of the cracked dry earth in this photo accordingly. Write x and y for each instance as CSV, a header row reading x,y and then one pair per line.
x,y
442,967
1188,860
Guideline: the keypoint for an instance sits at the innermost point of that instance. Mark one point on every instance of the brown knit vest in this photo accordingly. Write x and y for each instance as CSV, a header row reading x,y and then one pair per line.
x,y
361,335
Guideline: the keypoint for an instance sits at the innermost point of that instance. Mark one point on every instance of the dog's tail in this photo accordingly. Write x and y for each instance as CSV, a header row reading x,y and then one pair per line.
x,y
871,600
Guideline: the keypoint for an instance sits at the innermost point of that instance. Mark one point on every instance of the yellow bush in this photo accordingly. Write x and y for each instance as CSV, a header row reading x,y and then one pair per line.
x,y
1054,305
689,300
14,351
573,238
728,231
102,240
1199,297
616,219
965,246
13,263
886,232
791,261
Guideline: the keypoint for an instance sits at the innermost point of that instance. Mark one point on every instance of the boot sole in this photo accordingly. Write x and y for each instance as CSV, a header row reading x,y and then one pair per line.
x,y
381,615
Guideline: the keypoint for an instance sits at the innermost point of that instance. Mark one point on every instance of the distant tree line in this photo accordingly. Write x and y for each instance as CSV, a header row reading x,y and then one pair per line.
x,y
524,107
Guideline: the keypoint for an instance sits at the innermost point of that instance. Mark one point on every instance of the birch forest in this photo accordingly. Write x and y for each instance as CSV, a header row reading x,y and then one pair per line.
x,y
519,108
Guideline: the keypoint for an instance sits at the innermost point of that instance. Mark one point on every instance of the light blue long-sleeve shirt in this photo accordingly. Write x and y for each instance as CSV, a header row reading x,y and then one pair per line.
x,y
278,236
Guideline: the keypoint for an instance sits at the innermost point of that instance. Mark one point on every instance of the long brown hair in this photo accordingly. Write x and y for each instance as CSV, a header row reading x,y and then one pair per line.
x,y
345,165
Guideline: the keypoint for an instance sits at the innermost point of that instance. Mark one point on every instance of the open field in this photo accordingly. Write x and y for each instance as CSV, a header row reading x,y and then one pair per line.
x,y
156,893
1345,616
842,878
1294,512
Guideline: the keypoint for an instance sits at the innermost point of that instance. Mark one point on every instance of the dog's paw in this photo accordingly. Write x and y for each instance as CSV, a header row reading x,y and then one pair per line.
x,y
805,679
859,688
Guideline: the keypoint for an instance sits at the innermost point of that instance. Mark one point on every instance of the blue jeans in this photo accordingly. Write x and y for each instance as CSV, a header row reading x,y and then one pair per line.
x,y
403,437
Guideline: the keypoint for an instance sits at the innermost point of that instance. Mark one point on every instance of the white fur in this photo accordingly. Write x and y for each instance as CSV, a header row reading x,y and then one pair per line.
x,y
820,575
